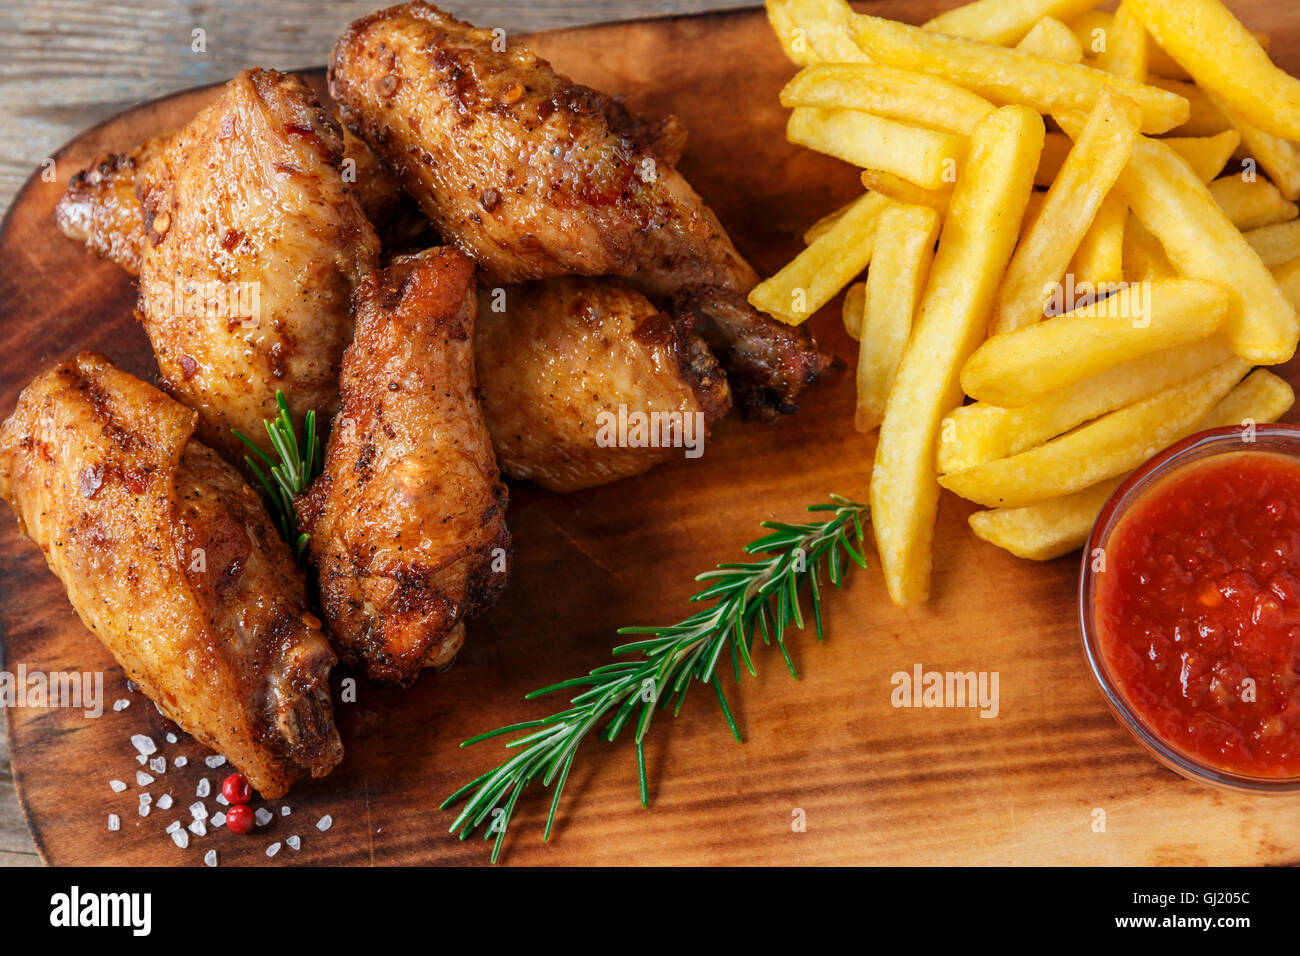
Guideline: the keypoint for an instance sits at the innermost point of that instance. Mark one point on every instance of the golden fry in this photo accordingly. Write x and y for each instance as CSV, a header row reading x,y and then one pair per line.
x,y
922,156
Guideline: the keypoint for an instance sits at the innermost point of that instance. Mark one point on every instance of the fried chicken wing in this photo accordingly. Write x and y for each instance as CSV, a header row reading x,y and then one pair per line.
x,y
535,176
407,521
561,362
252,246
170,559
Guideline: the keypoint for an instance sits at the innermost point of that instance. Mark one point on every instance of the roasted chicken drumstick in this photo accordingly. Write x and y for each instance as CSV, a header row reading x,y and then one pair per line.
x,y
535,176
171,560
407,521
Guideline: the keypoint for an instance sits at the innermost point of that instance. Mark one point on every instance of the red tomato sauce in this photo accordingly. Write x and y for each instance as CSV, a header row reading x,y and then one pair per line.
x,y
1200,598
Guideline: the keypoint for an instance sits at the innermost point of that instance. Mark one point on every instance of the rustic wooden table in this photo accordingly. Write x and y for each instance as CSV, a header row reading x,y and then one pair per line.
x,y
68,64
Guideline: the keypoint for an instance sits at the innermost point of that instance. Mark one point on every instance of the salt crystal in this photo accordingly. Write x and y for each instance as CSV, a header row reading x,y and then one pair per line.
x,y
273,849
121,704
295,842
132,686
141,759
214,762
117,785
144,744
180,761
165,802
210,858
114,822
145,798
218,819
262,816
198,828
198,811
204,788
158,764
285,811
180,838
324,823
144,809
143,779
221,799
173,826
171,738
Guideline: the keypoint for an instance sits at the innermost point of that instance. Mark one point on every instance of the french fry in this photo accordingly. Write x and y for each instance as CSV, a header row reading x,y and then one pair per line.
x,y
822,225
1092,28
1278,157
900,265
974,246
914,98
1276,244
922,156
1144,257
1056,526
813,31
1125,52
1200,242
1089,172
826,266
1015,368
1008,76
1003,21
1250,204
981,432
855,297
1112,445
1288,280
1207,155
1052,39
1204,118
1099,260
900,190
1225,59
1165,65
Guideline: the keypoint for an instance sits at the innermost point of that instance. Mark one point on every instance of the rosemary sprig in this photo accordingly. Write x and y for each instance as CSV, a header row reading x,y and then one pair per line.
x,y
747,599
300,462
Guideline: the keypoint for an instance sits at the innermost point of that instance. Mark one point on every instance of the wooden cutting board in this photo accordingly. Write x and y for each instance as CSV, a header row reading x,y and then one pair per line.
x,y
874,784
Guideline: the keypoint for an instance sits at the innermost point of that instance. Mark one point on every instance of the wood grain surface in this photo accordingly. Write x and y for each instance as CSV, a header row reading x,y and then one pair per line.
x,y
875,784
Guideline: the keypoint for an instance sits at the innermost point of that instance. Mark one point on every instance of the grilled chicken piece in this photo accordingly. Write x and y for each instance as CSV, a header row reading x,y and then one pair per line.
x,y
563,361
249,248
171,560
407,521
535,176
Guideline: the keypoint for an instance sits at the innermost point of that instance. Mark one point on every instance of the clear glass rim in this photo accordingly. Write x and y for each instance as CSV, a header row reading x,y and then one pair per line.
x,y
1266,437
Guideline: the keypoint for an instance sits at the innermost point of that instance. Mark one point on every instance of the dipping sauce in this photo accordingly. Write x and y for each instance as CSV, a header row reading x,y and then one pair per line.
x,y
1197,612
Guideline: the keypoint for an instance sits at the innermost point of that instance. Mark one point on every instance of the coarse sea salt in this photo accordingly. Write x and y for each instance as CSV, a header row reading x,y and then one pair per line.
x,y
180,838
262,816
121,704
273,849
295,842
114,822
324,823
173,826
180,761
170,738
218,819
141,759
204,789
144,809
142,779
146,798
144,744
215,761
165,802
198,811
198,828
285,811
210,858
158,764
221,799
117,785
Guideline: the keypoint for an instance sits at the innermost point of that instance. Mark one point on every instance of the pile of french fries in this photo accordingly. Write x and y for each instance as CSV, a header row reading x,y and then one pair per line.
x,y
1085,222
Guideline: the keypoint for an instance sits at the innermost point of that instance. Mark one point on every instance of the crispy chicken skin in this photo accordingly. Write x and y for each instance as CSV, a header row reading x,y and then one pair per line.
x,y
171,560
553,356
407,521
535,176
252,247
